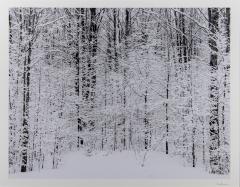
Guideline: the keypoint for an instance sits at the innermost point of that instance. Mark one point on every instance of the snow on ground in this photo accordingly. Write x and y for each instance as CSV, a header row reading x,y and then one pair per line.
x,y
119,165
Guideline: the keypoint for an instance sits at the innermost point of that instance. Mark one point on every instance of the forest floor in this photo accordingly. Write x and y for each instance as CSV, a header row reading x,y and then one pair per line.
x,y
119,165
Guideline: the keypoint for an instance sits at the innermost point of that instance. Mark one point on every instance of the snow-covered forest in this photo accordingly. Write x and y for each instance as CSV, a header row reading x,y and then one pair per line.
x,y
117,80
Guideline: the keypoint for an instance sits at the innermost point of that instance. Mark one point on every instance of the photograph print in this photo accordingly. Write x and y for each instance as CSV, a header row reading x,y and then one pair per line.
x,y
119,93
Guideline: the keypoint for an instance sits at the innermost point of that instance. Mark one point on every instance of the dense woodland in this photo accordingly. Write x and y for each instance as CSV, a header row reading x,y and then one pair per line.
x,y
119,79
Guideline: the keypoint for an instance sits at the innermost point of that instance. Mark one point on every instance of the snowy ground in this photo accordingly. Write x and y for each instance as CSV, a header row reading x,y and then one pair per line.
x,y
118,165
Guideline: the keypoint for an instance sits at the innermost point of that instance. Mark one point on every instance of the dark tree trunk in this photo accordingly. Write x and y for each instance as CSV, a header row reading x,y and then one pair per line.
x,y
193,147
85,79
166,108
181,36
10,28
147,134
127,33
227,23
93,52
115,38
26,96
213,14
92,62
77,77
84,70
184,39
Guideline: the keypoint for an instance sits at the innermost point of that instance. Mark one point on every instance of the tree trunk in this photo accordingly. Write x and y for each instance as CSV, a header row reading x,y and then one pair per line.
x,y
127,33
181,36
213,14
77,77
146,123
166,108
115,39
26,97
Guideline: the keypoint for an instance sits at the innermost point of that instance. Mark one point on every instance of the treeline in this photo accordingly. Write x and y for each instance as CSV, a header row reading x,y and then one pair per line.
x,y
110,79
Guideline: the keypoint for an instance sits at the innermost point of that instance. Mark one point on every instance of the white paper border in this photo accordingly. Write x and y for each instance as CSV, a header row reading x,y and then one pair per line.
x,y
235,82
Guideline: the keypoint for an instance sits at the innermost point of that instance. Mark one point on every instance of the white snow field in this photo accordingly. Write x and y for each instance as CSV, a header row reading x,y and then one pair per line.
x,y
124,165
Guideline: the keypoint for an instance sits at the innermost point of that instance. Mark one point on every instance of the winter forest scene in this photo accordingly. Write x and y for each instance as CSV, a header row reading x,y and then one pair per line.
x,y
119,92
